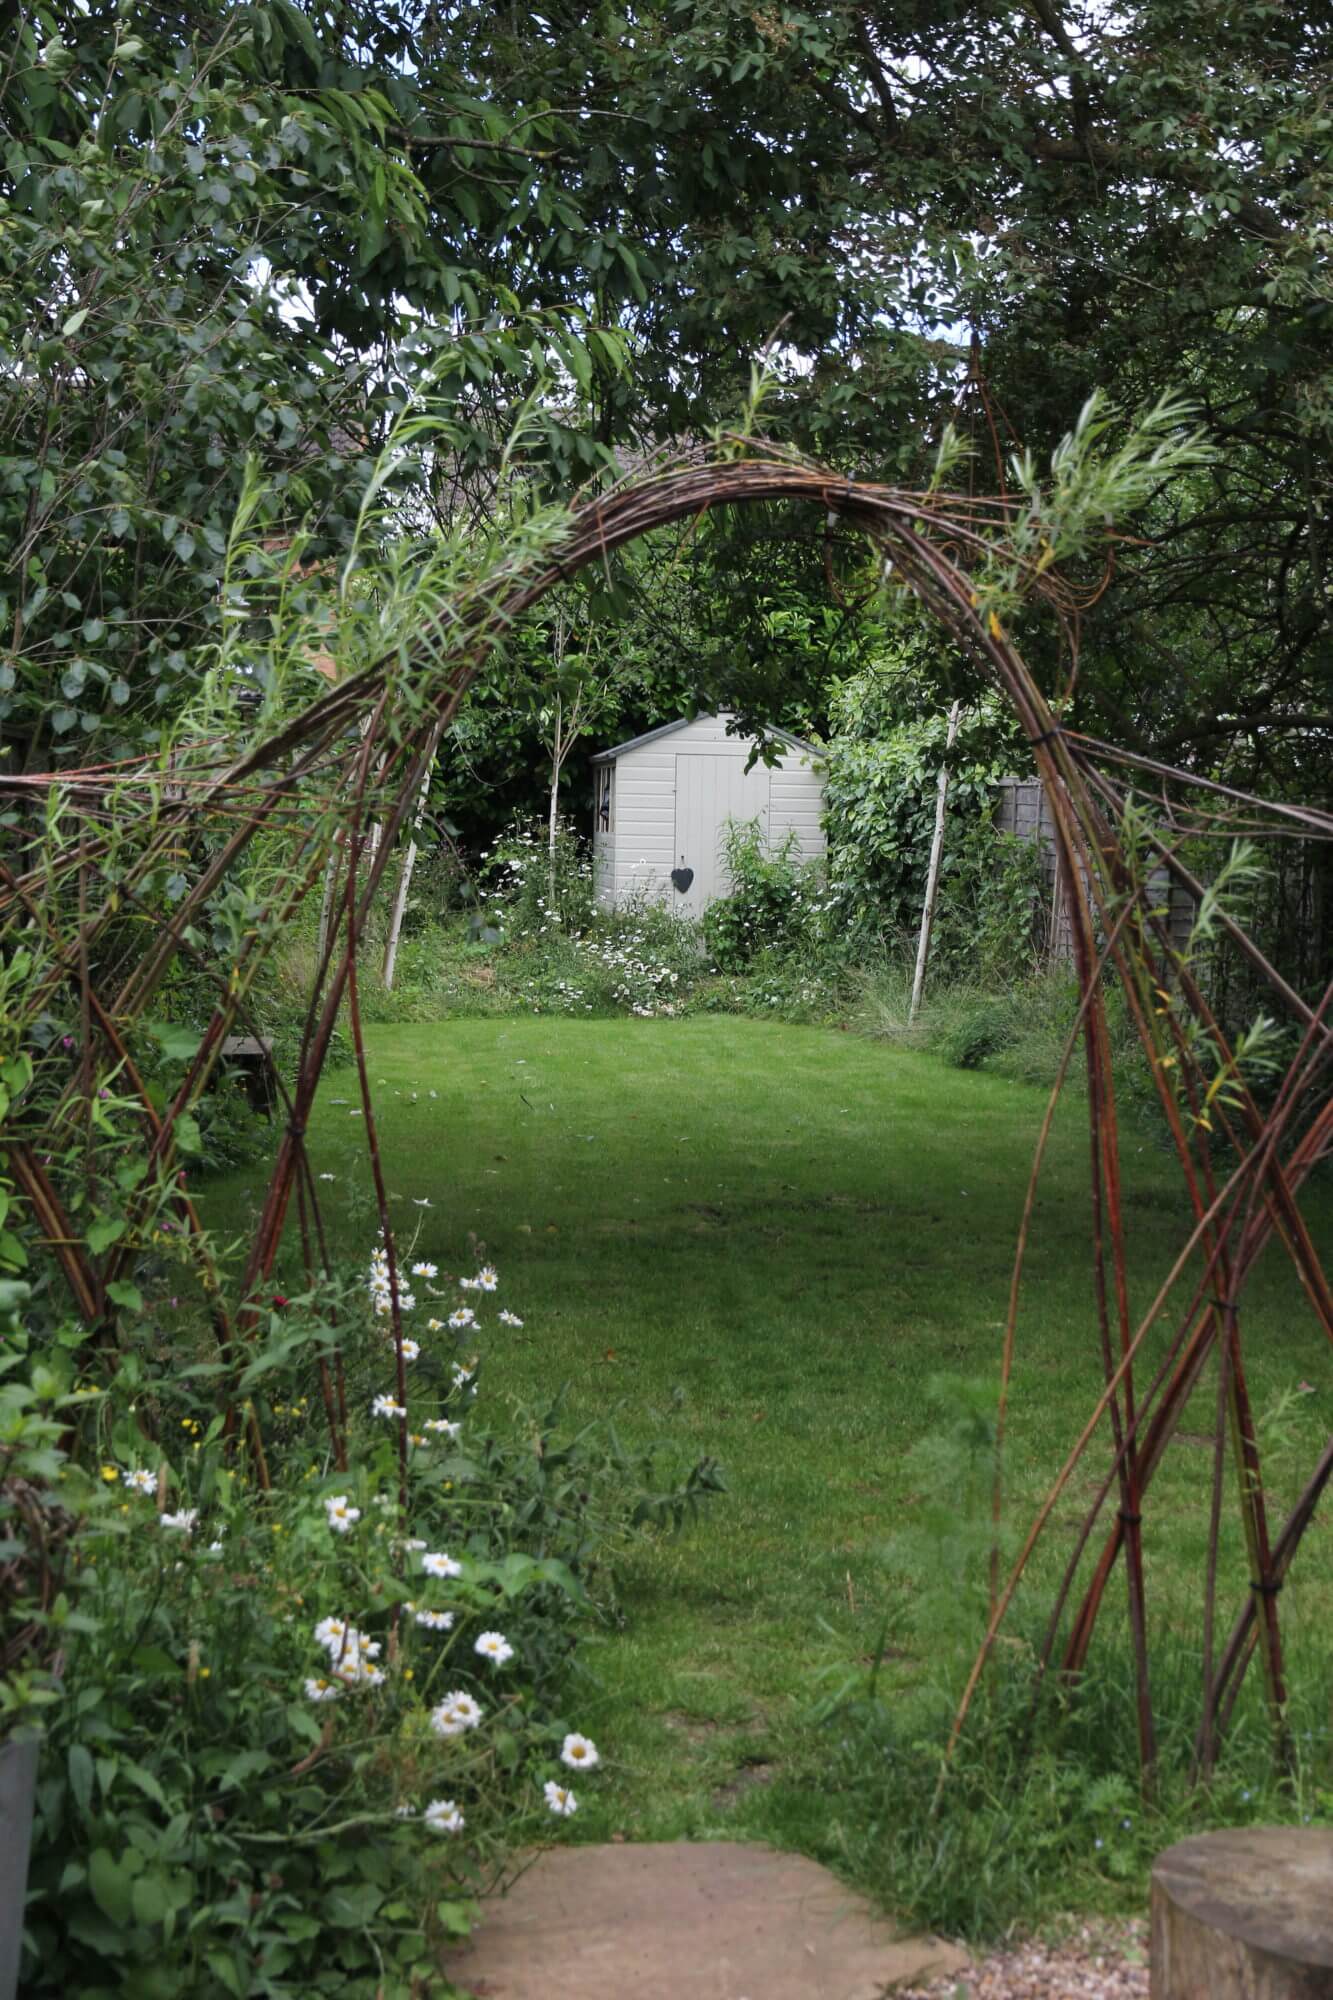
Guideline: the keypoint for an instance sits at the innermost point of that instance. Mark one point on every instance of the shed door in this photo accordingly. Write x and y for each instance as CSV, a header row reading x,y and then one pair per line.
x,y
710,789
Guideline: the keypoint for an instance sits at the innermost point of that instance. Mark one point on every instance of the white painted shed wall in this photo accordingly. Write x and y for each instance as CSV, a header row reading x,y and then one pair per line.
x,y
664,804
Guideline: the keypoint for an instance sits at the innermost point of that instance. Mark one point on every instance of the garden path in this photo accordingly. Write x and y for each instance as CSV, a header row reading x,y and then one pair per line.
x,y
682,1920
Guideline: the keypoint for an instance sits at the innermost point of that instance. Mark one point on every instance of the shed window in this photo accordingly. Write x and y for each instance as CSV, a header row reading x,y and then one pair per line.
x,y
606,798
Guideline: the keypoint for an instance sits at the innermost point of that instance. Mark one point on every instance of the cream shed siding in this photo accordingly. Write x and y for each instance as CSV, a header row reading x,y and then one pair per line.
x,y
671,795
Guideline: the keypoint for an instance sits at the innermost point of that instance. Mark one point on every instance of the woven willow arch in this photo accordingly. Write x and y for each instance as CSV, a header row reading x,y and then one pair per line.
x,y
356,755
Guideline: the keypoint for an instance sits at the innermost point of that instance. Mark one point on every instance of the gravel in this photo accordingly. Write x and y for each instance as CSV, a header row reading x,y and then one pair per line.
x,y
1090,1962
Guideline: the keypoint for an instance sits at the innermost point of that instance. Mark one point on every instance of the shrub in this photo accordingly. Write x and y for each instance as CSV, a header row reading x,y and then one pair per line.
x,y
979,1031
529,891
301,1728
772,903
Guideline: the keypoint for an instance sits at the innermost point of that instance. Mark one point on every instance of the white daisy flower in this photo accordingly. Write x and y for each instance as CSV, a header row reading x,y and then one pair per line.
x,y
416,1542
434,1621
468,1285
411,1349
318,1689
455,1715
462,1375
404,1812
493,1646
509,1319
355,1672
441,1565
425,1271
140,1480
487,1278
443,1816
185,1520
408,1301
443,1426
463,1317
560,1799
385,1406
579,1752
341,1516
435,1326
331,1632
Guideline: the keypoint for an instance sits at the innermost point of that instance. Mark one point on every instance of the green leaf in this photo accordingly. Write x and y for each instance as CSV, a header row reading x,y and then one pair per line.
x,y
123,1293
150,1899
105,1231
12,1253
188,1137
75,321
178,1045
80,1765
352,1905
245,1764
110,1885
225,1970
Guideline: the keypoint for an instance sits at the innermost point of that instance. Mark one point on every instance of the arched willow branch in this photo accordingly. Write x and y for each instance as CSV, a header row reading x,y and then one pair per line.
x,y
315,784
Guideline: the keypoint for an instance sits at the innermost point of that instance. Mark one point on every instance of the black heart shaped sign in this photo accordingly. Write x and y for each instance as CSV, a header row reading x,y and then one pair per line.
x,y
681,878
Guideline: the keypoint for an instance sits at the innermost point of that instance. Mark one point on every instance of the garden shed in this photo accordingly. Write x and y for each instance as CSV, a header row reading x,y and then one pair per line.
x,y
661,803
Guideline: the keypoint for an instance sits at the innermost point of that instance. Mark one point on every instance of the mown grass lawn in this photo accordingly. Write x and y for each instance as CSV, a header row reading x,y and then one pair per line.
x,y
762,1242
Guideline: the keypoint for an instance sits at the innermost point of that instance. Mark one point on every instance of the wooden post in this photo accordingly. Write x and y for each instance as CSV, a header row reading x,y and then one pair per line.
x,y
933,870
1244,1914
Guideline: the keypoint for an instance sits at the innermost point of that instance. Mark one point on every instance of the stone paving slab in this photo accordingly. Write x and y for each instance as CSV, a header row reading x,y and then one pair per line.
x,y
682,1921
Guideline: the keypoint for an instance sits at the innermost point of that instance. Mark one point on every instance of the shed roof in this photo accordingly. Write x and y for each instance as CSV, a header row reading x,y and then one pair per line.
x,y
670,728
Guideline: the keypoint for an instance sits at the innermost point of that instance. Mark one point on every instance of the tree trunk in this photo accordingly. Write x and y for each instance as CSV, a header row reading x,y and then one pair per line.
x,y
1244,1914
933,870
557,759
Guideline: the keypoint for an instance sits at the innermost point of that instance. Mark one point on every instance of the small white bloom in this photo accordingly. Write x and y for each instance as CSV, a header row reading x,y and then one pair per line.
x,y
443,1426
462,1375
434,1326
487,1278
140,1480
404,1812
578,1752
509,1319
384,1406
425,1271
341,1516
443,1816
318,1689
434,1621
414,1544
421,1201
493,1646
456,1714
185,1520
330,1633
468,1285
328,1177
215,1548
411,1349
441,1565
560,1799
463,1317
